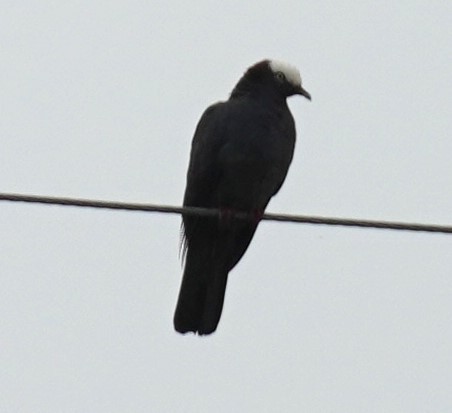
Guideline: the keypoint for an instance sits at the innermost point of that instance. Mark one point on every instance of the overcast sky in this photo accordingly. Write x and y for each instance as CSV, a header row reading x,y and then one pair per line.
x,y
100,100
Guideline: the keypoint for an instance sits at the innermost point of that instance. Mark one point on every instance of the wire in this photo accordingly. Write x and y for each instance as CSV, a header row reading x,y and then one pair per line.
x,y
206,212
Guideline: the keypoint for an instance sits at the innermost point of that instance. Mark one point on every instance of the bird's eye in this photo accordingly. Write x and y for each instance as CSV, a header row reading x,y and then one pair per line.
x,y
280,76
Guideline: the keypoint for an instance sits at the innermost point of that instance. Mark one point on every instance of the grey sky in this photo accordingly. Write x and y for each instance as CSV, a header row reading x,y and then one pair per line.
x,y
101,101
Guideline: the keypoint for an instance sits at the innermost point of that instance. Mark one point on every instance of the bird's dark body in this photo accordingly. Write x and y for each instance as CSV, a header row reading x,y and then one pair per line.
x,y
240,155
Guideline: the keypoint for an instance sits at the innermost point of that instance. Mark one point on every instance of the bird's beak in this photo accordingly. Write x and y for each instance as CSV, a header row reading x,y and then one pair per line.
x,y
302,92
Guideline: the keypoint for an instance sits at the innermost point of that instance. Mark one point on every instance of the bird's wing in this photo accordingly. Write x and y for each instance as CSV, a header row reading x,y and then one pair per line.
x,y
203,171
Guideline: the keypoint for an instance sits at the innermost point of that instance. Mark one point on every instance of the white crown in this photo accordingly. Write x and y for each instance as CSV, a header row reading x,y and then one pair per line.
x,y
291,72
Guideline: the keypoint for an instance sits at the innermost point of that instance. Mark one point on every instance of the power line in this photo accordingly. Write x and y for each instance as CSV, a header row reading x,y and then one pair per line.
x,y
206,212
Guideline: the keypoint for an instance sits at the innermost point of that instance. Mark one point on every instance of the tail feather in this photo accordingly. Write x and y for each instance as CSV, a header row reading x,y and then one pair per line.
x,y
213,302
201,298
211,254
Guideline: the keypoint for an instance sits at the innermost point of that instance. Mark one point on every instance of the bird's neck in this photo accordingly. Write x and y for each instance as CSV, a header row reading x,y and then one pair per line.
x,y
247,88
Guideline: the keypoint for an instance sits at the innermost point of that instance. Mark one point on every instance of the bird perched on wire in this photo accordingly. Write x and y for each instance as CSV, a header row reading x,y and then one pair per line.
x,y
240,154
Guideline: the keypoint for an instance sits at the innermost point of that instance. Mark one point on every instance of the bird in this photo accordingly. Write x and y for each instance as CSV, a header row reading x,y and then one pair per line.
x,y
240,154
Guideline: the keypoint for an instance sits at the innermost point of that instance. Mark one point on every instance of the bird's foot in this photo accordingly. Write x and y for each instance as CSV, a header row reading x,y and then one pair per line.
x,y
229,214
257,215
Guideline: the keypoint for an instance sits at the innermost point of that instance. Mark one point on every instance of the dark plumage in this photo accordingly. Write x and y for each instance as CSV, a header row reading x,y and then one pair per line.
x,y
240,154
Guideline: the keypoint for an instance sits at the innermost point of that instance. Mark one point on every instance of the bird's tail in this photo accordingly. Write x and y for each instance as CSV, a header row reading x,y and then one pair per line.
x,y
201,297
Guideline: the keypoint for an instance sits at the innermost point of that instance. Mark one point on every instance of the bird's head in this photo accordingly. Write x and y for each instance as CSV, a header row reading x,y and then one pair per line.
x,y
287,78
271,77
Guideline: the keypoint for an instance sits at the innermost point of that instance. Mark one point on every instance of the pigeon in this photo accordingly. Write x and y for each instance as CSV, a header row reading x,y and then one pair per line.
x,y
240,155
